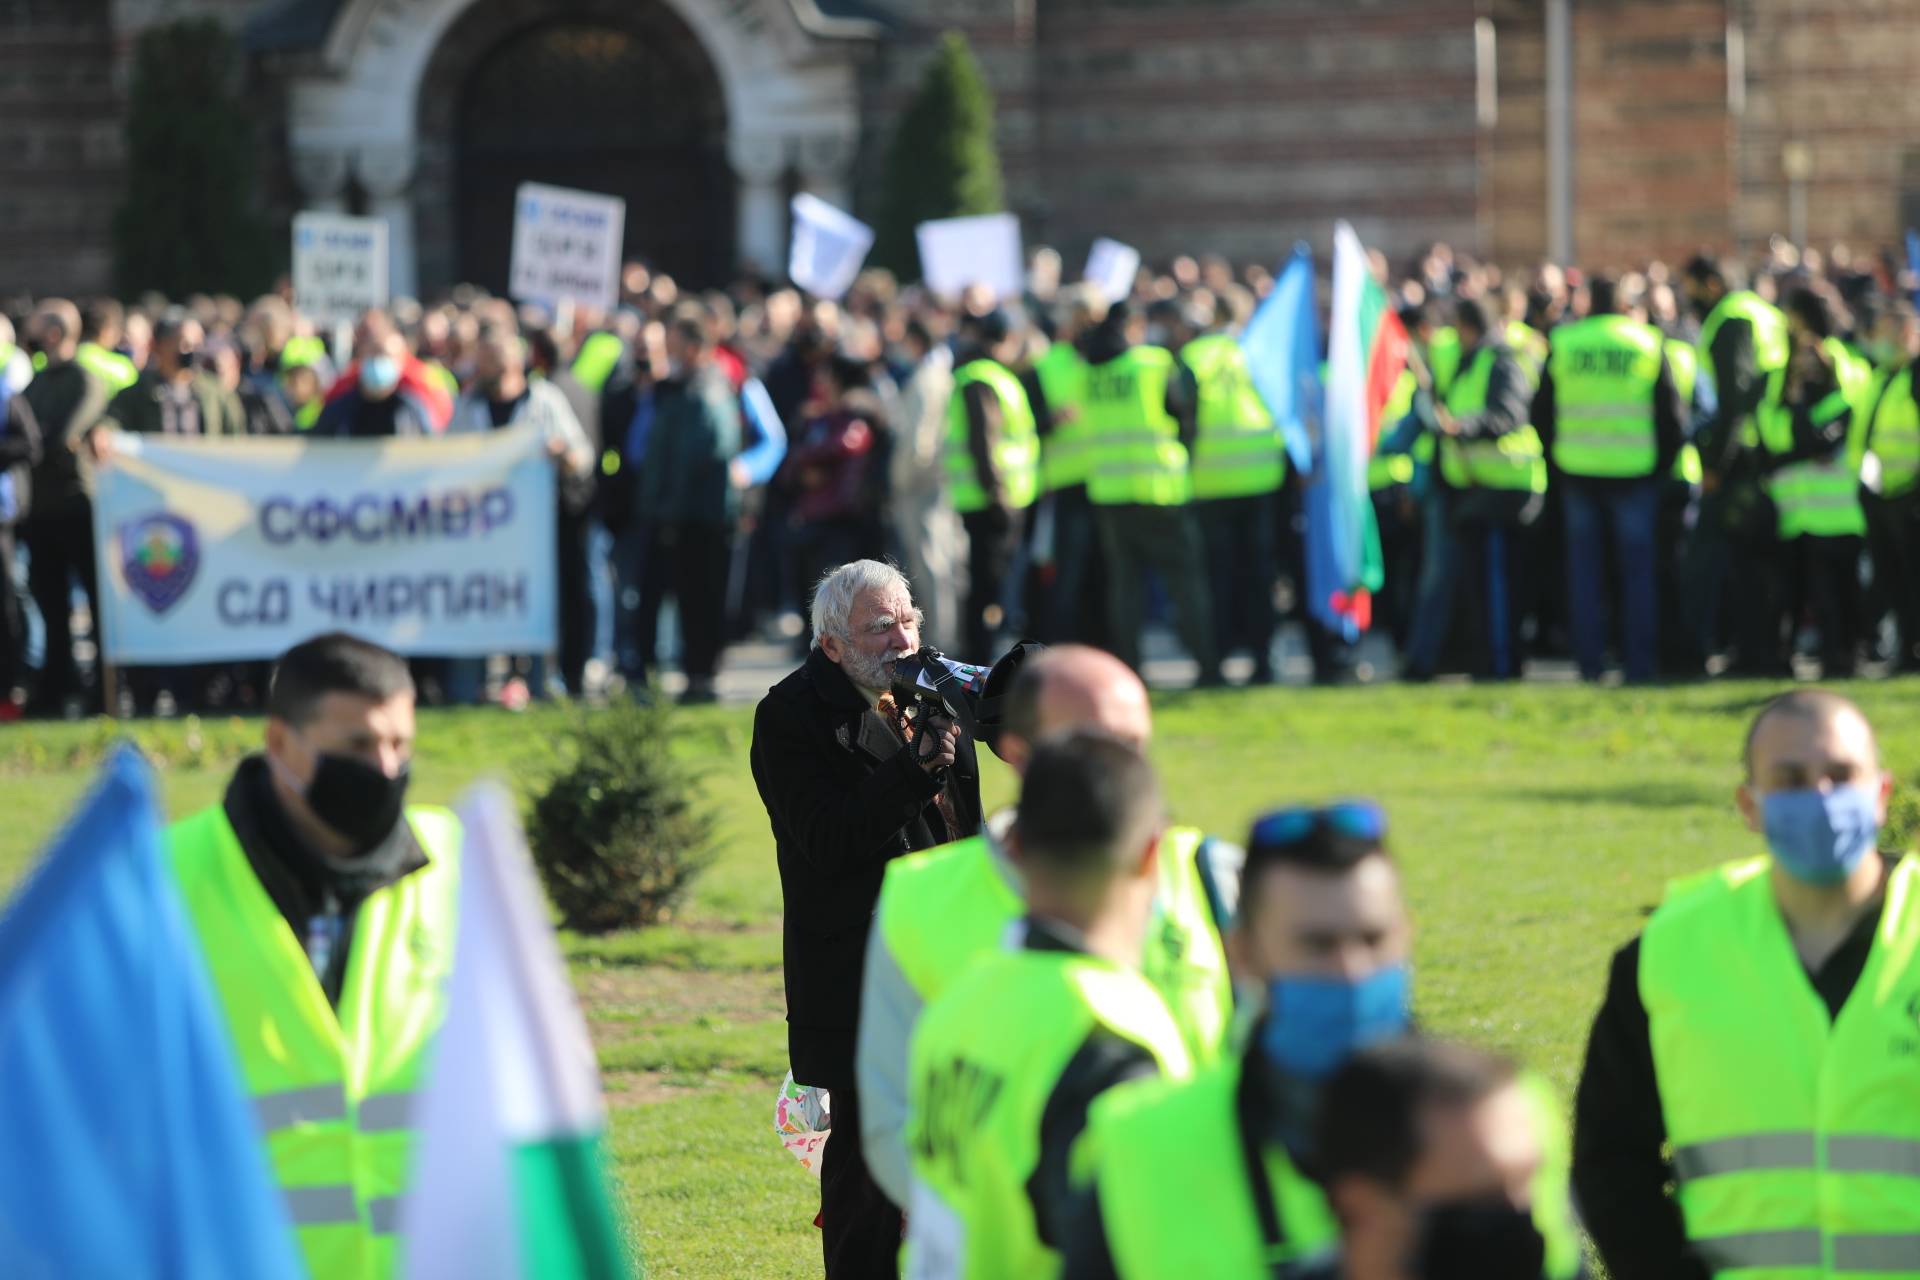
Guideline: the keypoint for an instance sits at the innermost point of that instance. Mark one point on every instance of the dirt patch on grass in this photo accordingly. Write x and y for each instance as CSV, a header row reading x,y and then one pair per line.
x,y
645,1088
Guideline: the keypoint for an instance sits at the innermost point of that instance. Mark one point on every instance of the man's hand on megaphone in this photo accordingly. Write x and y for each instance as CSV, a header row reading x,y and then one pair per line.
x,y
937,740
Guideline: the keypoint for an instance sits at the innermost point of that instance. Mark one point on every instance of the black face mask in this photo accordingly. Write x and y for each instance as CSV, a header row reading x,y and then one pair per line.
x,y
356,798
1479,1240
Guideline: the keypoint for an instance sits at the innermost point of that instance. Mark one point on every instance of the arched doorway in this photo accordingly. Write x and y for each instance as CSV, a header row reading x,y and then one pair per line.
x,y
612,98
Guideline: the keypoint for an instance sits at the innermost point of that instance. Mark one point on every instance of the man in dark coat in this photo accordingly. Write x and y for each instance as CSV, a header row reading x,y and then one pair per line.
x,y
846,792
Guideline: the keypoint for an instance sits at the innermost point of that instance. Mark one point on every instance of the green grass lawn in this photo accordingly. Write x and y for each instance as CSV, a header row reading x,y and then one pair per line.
x,y
1536,826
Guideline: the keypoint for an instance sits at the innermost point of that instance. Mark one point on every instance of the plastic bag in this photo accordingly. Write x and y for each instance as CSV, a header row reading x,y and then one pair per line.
x,y
803,1117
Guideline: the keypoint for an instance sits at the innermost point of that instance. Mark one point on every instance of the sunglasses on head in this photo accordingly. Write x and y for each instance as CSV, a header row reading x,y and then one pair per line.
x,y
1354,819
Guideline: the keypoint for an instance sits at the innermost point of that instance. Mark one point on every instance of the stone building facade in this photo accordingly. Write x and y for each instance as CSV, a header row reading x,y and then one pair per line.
x,y
1233,126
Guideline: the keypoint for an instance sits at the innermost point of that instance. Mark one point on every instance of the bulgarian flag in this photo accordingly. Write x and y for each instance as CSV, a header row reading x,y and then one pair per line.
x,y
509,1182
1366,351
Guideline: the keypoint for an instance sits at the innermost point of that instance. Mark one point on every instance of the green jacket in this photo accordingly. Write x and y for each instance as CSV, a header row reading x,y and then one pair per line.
x,y
137,408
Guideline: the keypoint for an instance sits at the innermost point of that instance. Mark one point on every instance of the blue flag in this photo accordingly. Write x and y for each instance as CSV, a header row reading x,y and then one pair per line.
x,y
1913,260
128,1146
1282,343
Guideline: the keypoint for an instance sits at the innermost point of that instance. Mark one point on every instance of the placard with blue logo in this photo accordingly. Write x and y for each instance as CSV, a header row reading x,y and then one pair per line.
x,y
227,550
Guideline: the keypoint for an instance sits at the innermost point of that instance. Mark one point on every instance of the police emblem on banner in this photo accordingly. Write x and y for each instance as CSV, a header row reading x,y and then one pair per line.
x,y
159,554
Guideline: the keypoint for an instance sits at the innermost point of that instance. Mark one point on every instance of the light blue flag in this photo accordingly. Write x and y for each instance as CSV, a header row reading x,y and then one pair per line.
x,y
1282,343
128,1147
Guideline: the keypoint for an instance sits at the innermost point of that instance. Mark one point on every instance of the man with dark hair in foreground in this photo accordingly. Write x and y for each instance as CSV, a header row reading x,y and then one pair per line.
x,y
1432,1153
1005,1062
325,907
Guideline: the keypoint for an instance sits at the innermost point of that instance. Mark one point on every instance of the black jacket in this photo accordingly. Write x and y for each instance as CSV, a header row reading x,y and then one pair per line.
x,y
844,796
1621,1169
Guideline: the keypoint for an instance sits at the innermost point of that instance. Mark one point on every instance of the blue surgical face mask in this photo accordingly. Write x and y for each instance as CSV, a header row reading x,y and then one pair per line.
x,y
380,372
1314,1024
1819,837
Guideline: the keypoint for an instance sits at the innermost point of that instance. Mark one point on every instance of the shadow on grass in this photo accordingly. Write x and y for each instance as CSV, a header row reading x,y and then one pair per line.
x,y
1638,795
672,947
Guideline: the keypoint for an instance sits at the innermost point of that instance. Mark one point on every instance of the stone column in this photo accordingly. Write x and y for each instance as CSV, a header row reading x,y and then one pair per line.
x,y
825,161
386,173
760,161
321,172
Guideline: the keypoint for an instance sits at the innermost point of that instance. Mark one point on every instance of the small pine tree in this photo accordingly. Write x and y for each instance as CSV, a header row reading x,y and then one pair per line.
x,y
615,833
943,163
187,224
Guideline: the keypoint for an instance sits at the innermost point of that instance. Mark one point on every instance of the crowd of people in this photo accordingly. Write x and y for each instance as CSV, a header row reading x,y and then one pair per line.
x,y
1075,1041
1732,469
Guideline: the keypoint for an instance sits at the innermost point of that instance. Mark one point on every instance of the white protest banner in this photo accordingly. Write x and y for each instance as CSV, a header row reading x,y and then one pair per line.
x,y
227,550
957,252
339,265
566,246
828,247
1112,266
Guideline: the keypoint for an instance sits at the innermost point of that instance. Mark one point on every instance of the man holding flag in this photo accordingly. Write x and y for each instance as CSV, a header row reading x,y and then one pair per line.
x,y
325,908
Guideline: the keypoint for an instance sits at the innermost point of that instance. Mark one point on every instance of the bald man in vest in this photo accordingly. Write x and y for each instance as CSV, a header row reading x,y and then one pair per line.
x,y
942,910
1761,1031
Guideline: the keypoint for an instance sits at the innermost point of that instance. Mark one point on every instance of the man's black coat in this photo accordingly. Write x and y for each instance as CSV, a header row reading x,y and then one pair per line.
x,y
844,796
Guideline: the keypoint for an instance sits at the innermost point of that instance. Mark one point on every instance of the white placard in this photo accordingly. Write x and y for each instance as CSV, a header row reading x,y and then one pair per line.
x,y
828,247
957,252
339,265
1112,266
229,550
566,245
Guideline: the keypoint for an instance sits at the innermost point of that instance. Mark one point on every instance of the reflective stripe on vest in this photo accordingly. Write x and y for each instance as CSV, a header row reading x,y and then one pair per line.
x,y
1015,451
1137,454
1512,461
1238,451
1820,497
332,1092
944,909
1066,451
1796,1143
1894,435
986,1058
1605,369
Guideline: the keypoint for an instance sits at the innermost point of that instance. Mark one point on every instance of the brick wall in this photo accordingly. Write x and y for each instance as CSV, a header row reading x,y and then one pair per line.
x,y
1842,79
60,146
1197,125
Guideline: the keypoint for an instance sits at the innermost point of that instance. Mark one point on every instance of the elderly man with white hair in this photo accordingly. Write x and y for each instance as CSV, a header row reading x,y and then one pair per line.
x,y
847,792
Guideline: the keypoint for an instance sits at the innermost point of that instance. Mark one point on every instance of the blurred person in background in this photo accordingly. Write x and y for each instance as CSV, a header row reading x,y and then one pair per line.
x,y
1890,476
101,325
832,471
1239,464
1806,422
923,519
368,399
687,502
381,348
19,454
992,460
1073,599
1140,410
174,395
504,396
67,402
578,490
1743,341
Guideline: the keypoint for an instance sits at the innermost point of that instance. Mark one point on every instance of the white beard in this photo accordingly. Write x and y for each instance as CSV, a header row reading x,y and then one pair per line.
x,y
875,674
